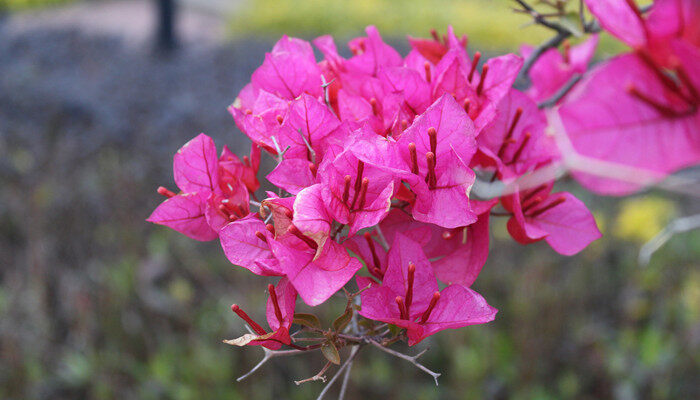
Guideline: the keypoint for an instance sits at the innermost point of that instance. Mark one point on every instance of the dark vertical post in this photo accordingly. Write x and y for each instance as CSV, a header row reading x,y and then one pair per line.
x,y
166,37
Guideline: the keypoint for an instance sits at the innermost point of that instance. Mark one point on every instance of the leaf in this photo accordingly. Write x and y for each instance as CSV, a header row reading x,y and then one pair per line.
x,y
330,352
341,322
309,320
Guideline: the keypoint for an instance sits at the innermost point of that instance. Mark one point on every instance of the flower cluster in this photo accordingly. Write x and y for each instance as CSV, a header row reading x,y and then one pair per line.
x,y
376,156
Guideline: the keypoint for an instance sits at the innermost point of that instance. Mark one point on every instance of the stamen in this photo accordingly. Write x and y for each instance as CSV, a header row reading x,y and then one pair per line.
x,y
296,232
475,62
661,108
430,178
447,235
261,236
426,66
404,125
375,257
466,105
270,228
414,158
402,307
409,287
279,119
434,34
346,189
363,193
246,161
433,302
484,72
275,303
533,192
535,201
257,328
313,168
519,152
165,192
432,134
358,181
248,111
549,206
375,106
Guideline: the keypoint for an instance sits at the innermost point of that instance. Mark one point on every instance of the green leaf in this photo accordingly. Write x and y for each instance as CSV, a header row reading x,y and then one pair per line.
x,y
341,322
330,352
309,320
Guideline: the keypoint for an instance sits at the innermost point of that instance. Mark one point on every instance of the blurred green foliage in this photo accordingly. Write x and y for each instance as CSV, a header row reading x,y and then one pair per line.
x,y
15,5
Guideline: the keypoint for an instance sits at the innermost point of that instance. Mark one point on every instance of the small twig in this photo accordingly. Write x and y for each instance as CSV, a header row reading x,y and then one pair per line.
x,y
676,226
538,51
317,377
412,359
269,354
561,92
346,364
346,379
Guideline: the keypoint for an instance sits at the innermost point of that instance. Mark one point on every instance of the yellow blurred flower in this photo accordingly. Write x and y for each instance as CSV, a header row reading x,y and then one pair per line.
x,y
640,219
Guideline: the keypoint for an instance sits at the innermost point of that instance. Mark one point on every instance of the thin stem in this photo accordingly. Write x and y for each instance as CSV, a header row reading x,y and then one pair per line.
x,y
346,364
412,359
269,354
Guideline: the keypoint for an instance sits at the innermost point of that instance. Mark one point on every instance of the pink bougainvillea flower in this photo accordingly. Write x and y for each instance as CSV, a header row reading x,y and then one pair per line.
x,y
561,219
433,151
667,21
553,70
316,265
457,254
514,142
246,244
289,70
211,196
355,190
258,114
371,54
643,119
409,296
280,315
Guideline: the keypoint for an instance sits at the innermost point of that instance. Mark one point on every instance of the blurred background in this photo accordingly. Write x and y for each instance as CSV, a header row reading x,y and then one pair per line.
x,y
95,303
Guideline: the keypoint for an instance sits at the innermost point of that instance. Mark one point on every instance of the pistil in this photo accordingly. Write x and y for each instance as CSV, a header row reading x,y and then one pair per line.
x,y
363,193
409,286
376,271
414,158
484,72
165,192
402,307
432,135
430,178
549,206
426,66
275,303
431,306
257,328
475,62
296,232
